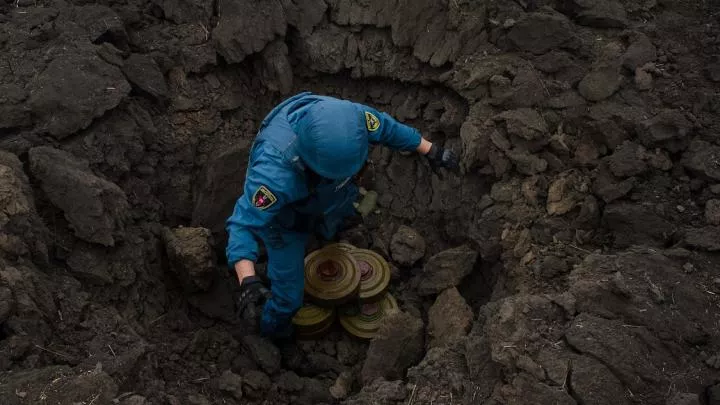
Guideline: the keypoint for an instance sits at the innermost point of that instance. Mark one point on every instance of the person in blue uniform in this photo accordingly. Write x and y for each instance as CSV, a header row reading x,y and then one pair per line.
x,y
299,182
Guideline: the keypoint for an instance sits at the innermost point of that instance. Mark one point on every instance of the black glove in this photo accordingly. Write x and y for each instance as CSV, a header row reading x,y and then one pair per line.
x,y
251,300
441,157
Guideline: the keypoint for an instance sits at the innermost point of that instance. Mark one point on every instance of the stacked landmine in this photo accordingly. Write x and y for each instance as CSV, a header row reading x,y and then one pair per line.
x,y
342,281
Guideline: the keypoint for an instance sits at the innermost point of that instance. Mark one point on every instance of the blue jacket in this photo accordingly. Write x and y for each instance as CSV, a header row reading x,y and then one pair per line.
x,y
278,190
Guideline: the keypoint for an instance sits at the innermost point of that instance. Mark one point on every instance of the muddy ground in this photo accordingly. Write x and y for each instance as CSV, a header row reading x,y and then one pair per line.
x,y
577,254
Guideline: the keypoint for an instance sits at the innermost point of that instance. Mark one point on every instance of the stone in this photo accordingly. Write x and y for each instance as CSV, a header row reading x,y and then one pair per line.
x,y
706,238
143,72
230,383
600,83
539,33
255,384
407,246
191,256
712,212
96,209
703,158
263,352
246,27
446,269
448,318
89,87
398,344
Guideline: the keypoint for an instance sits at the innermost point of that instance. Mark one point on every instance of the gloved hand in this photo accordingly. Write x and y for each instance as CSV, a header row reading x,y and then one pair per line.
x,y
251,299
441,157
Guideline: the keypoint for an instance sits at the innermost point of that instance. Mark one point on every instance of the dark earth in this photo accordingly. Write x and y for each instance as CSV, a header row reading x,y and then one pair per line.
x,y
575,260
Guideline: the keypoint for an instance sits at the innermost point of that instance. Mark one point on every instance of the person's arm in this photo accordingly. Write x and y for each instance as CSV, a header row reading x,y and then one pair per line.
x,y
267,189
386,130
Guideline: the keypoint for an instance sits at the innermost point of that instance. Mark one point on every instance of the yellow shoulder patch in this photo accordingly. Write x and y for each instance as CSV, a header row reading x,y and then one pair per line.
x,y
263,198
371,121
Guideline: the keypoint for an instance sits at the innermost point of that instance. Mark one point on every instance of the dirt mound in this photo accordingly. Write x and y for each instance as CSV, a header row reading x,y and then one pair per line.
x,y
575,260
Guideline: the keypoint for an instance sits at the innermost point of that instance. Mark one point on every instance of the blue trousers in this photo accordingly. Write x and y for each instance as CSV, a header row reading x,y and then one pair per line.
x,y
286,254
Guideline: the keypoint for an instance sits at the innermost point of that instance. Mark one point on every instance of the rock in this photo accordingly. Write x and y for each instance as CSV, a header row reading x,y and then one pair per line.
x,y
712,212
89,87
707,238
446,269
449,317
640,52
524,122
263,352
397,345
246,27
601,14
230,383
289,382
683,398
256,384
539,33
634,224
601,83
191,256
96,209
143,72
627,160
667,125
703,158
407,246
566,192
643,79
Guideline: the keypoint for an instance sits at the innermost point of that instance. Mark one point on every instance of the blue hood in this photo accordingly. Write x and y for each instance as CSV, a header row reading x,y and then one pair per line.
x,y
332,138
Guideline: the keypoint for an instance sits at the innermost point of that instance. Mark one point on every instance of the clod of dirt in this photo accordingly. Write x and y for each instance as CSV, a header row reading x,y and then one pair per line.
x,y
643,79
602,82
448,318
391,391
640,51
703,158
445,270
627,160
342,386
135,400
666,126
245,27
539,33
191,256
706,238
566,192
230,383
600,14
263,352
712,212
96,208
683,398
525,123
397,345
143,72
407,246
88,88
633,224
256,384
289,382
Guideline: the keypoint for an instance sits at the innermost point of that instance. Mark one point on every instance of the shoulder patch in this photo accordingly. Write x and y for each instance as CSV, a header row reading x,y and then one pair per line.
x,y
263,198
371,121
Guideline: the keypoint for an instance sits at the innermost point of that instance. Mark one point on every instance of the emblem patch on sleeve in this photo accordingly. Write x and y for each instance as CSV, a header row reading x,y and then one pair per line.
x,y
263,198
372,122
